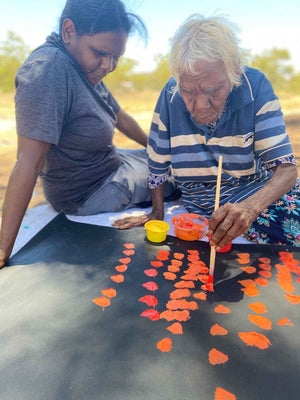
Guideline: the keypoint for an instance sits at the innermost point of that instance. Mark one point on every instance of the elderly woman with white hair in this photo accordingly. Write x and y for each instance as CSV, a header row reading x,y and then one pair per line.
x,y
214,106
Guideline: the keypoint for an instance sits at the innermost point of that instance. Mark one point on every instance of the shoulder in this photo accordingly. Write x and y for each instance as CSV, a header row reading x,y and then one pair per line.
x,y
256,81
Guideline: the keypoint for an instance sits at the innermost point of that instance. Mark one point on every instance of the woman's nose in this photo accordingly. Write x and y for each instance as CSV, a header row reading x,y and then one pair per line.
x,y
107,63
201,102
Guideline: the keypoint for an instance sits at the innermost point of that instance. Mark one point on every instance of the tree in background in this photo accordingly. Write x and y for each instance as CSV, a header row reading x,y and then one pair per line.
x,y
13,53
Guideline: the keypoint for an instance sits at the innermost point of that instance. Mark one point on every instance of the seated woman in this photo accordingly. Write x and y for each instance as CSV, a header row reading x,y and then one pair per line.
x,y
66,118
213,106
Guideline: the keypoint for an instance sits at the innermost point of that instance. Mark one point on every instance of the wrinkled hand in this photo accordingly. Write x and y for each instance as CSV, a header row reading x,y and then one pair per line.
x,y
3,258
133,222
229,222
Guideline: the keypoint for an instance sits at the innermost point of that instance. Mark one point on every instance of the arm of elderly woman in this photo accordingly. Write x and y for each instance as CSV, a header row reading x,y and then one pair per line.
x,y
31,155
232,220
156,213
127,125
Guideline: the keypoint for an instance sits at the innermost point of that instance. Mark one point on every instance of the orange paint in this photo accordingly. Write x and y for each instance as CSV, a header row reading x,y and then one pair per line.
x,y
181,304
121,268
117,278
220,309
177,263
170,276
162,257
285,321
125,260
222,394
292,298
216,357
251,291
193,257
184,284
259,308
262,281
151,314
150,300
243,255
157,264
218,330
150,272
178,256
255,339
193,251
266,274
203,278
165,345
298,280
180,293
243,260
249,270
172,268
284,278
150,286
129,245
261,321
128,252
102,302
265,267
169,315
109,292
200,296
175,328
247,283
189,277
264,260
208,287
196,269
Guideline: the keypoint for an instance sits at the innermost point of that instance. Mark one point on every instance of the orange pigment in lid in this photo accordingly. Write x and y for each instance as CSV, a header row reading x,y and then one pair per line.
x,y
117,278
170,276
262,322
102,301
259,308
109,292
216,357
121,268
125,260
157,264
184,284
217,330
150,286
128,252
169,315
200,296
292,298
220,309
181,304
178,256
150,272
255,339
285,321
129,245
249,270
165,345
180,293
175,328
151,314
149,300
222,394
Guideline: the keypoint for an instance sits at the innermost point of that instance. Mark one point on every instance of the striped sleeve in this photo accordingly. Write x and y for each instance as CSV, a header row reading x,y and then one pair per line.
x,y
271,140
158,149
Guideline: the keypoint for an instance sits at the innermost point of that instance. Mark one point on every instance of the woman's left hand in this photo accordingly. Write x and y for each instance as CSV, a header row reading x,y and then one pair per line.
x,y
229,222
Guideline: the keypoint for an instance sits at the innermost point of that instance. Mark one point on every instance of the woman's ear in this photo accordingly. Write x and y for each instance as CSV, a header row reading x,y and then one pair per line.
x,y
68,31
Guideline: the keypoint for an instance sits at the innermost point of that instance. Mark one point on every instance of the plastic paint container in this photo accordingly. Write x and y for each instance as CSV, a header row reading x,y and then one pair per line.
x,y
189,226
156,230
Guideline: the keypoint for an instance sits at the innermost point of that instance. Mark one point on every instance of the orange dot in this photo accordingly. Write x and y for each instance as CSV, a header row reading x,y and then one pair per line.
x,y
266,274
216,357
200,296
150,286
129,245
117,278
178,256
222,394
260,321
109,292
259,308
249,270
175,328
179,293
169,315
181,304
157,264
125,260
151,314
177,263
149,300
121,268
165,345
150,272
170,276
220,309
285,321
262,281
102,301
173,268
292,298
128,252
255,339
184,284
218,330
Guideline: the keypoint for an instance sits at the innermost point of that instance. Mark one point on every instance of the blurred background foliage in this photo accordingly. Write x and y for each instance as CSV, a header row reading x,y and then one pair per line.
x,y
274,63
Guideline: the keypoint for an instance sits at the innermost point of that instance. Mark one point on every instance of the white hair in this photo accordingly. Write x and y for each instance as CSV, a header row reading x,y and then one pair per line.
x,y
210,39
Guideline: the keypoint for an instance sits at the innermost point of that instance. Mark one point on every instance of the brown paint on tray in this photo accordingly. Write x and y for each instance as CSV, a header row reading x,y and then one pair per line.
x,y
165,345
157,264
222,394
125,260
182,315
178,256
121,268
266,274
181,304
200,296
180,293
117,278
173,268
259,308
150,286
249,270
149,299
175,328
285,321
255,339
151,314
292,298
170,276
218,330
109,292
177,263
284,278
184,284
262,322
128,252
262,281
216,357
129,245
102,302
220,309
151,272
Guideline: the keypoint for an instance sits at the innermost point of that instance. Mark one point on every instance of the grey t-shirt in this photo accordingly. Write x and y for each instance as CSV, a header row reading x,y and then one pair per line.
x,y
55,103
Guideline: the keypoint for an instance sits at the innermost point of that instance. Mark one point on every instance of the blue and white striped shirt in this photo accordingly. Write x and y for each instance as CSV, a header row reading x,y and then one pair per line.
x,y
250,134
